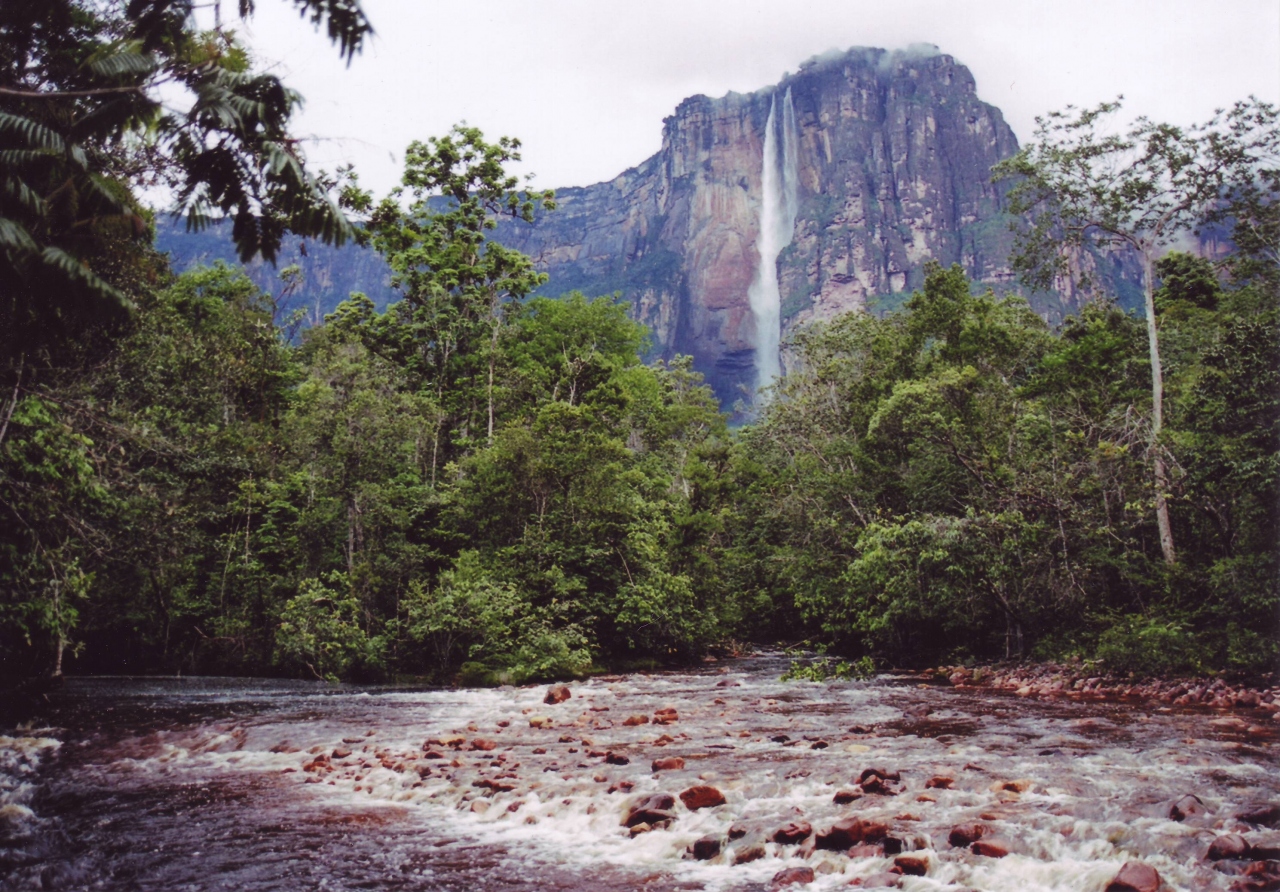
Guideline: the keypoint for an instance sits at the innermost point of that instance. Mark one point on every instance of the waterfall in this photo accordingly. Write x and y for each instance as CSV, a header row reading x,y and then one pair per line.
x,y
777,223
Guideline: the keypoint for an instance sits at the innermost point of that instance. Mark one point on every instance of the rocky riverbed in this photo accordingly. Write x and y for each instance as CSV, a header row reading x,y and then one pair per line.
x,y
719,779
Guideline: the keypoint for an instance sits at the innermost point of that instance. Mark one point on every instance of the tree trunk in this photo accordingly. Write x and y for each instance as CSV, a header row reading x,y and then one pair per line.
x,y
1159,472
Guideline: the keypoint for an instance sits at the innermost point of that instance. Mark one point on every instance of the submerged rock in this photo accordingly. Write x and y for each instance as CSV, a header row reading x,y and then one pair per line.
x,y
792,876
701,796
1135,876
557,694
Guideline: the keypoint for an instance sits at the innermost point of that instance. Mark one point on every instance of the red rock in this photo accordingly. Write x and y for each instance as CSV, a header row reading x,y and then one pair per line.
x,y
1260,815
436,754
701,796
634,720
705,848
727,683
483,745
1186,807
616,759
737,830
1260,876
877,786
939,783
992,847
1232,847
879,772
865,851
649,809
747,854
1135,876
883,880
621,787
966,834
557,693
844,797
848,832
792,876
341,752
1265,848
912,865
665,716
794,832
671,763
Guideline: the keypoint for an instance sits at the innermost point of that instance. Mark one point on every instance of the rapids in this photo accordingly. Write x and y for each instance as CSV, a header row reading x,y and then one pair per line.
x,y
255,785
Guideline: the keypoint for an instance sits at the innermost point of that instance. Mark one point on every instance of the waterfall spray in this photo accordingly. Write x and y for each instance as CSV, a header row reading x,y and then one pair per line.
x,y
777,222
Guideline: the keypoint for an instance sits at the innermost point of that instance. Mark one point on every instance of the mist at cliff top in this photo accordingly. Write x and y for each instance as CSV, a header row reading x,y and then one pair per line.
x,y
585,85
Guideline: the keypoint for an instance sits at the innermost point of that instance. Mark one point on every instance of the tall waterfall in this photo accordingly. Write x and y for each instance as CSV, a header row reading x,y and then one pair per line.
x,y
777,223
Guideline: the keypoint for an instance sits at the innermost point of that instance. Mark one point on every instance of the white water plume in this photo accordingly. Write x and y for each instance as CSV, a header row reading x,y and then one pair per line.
x,y
777,224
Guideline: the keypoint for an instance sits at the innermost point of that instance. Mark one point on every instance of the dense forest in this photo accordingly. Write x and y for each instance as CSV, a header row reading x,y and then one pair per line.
x,y
475,484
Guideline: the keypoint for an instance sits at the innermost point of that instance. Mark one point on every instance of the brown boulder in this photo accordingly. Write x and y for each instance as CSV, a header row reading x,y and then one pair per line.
x,y
747,854
737,830
883,880
1260,815
966,834
634,720
991,847
671,763
616,759
705,848
557,693
1260,876
848,832
912,865
939,783
701,796
865,851
844,797
651,809
1231,847
1135,876
792,876
1187,807
483,745
792,833
665,716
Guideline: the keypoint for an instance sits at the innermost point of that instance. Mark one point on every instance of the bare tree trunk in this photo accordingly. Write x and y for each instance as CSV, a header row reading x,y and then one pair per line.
x,y
1159,471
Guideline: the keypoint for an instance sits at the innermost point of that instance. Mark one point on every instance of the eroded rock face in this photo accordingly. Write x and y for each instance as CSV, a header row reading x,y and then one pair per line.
x,y
894,158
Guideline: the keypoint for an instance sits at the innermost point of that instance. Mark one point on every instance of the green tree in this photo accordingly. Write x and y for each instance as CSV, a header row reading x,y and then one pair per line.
x,y
1141,190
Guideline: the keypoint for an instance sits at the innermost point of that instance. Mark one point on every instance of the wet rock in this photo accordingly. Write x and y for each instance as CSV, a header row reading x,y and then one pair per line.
x,y
1264,847
557,693
737,830
1260,815
748,853
912,865
727,683
632,721
844,797
1260,876
666,716
991,847
1135,876
1232,847
671,763
621,787
791,833
701,796
1011,786
963,835
480,806
539,751
341,752
865,851
1186,807
616,759
539,721
284,747
939,782
883,880
642,827
848,832
433,754
792,876
652,809
705,848
482,745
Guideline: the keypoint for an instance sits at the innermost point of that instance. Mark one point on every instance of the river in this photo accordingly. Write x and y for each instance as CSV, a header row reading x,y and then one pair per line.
x,y
206,783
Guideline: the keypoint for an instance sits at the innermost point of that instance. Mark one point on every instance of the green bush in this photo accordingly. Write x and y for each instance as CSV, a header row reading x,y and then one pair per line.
x,y
1149,645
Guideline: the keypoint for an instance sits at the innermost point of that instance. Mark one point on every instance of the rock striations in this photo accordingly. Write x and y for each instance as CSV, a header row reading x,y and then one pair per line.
x,y
893,152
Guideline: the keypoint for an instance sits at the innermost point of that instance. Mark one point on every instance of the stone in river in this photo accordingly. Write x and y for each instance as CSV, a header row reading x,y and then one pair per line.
x,y
865,851
1186,807
665,716
557,693
792,833
634,720
842,834
912,865
671,763
1231,847
701,796
483,745
651,809
616,759
748,853
882,880
539,721
1135,876
705,848
737,830
792,876
844,797
939,783
991,847
1260,876
1260,815
966,834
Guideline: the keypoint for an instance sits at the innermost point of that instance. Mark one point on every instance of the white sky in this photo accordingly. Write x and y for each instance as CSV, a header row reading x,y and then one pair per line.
x,y
585,85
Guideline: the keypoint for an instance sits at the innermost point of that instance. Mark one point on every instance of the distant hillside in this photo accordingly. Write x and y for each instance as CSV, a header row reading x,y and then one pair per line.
x,y
329,275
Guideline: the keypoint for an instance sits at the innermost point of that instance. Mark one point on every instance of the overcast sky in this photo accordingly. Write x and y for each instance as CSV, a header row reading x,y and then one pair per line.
x,y
585,85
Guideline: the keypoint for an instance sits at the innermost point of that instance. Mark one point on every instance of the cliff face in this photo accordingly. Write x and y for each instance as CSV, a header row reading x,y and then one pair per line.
x,y
893,159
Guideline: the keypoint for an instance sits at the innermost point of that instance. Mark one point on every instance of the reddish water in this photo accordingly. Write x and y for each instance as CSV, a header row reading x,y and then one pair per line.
x,y
173,784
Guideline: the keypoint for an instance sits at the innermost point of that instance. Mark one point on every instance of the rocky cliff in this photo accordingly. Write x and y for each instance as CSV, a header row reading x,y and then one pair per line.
x,y
893,152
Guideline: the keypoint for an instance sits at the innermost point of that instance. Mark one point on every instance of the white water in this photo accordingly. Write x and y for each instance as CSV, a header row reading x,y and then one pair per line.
x,y
777,224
